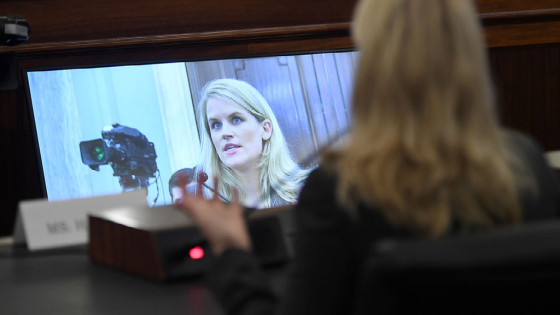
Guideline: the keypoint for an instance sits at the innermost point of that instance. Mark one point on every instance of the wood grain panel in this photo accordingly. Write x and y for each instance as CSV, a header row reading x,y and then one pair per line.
x,y
19,164
523,34
496,6
62,25
75,20
187,52
527,81
31,49
139,242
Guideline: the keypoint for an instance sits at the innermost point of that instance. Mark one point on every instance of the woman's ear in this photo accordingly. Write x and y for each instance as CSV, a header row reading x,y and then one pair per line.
x,y
267,128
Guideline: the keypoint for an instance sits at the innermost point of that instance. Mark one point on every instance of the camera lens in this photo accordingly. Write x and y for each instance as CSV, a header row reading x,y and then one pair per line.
x,y
98,153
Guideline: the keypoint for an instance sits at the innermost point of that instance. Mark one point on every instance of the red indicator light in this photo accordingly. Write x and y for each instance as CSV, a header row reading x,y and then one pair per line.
x,y
196,252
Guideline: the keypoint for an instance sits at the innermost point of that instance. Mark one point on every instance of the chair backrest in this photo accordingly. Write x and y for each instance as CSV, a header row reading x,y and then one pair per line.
x,y
514,269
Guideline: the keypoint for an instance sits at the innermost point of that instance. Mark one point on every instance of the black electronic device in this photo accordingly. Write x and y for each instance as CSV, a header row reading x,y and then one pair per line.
x,y
14,30
163,244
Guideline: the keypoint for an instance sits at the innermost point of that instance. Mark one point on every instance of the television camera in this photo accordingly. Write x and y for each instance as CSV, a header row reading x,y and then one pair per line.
x,y
127,150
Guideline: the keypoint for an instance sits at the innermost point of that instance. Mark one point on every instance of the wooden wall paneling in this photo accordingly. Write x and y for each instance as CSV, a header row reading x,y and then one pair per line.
x,y
527,82
275,79
347,65
311,87
19,165
9,193
337,68
71,21
301,135
208,47
327,99
518,23
200,73
523,34
324,91
511,6
71,24
57,21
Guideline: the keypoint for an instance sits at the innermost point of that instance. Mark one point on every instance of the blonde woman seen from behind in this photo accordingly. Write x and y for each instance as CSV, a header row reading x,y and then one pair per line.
x,y
423,101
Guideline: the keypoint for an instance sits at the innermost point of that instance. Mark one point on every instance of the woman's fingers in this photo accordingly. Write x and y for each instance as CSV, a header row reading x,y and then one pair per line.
x,y
188,203
198,209
201,209
215,188
199,187
183,185
221,224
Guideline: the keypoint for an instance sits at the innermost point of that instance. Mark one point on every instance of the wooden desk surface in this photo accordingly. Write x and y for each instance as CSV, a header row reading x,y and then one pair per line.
x,y
65,282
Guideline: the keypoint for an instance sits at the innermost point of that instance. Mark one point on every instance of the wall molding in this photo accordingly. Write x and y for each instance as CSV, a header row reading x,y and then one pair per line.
x,y
189,39
515,17
274,34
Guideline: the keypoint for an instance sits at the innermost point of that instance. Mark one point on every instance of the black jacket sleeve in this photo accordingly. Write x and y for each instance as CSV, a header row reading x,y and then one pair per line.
x,y
239,284
322,275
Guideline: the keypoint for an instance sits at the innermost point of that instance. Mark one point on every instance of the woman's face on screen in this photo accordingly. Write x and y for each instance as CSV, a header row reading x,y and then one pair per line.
x,y
237,135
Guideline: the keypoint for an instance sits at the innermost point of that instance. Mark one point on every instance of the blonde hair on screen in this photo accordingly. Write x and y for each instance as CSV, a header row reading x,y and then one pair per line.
x,y
426,148
280,175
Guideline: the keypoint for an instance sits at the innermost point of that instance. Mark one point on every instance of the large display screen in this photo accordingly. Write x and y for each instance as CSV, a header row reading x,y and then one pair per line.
x,y
102,130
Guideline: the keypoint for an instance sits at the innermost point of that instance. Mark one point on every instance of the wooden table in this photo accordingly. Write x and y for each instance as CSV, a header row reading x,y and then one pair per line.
x,y
65,281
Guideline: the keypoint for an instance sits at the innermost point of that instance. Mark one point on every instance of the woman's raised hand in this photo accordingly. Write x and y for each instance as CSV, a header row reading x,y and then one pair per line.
x,y
222,224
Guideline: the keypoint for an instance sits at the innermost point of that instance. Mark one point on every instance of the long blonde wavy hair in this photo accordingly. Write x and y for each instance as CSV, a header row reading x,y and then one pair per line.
x,y
426,148
280,175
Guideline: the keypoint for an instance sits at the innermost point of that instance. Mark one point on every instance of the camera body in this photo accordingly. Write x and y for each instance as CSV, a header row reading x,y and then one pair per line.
x,y
127,150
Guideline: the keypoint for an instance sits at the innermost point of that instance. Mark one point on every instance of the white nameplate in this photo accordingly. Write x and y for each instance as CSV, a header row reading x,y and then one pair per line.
x,y
43,224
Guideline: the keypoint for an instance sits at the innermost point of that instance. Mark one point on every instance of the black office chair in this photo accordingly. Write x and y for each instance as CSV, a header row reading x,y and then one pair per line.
x,y
512,270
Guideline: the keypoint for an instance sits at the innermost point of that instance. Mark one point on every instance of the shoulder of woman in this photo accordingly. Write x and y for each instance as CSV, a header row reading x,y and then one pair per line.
x,y
320,181
532,157
317,208
521,142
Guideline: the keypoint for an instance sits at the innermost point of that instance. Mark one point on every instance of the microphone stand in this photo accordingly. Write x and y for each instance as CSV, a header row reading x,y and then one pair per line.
x,y
216,192
247,211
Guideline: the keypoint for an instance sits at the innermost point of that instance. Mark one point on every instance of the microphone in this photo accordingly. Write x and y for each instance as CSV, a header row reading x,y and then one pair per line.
x,y
202,177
